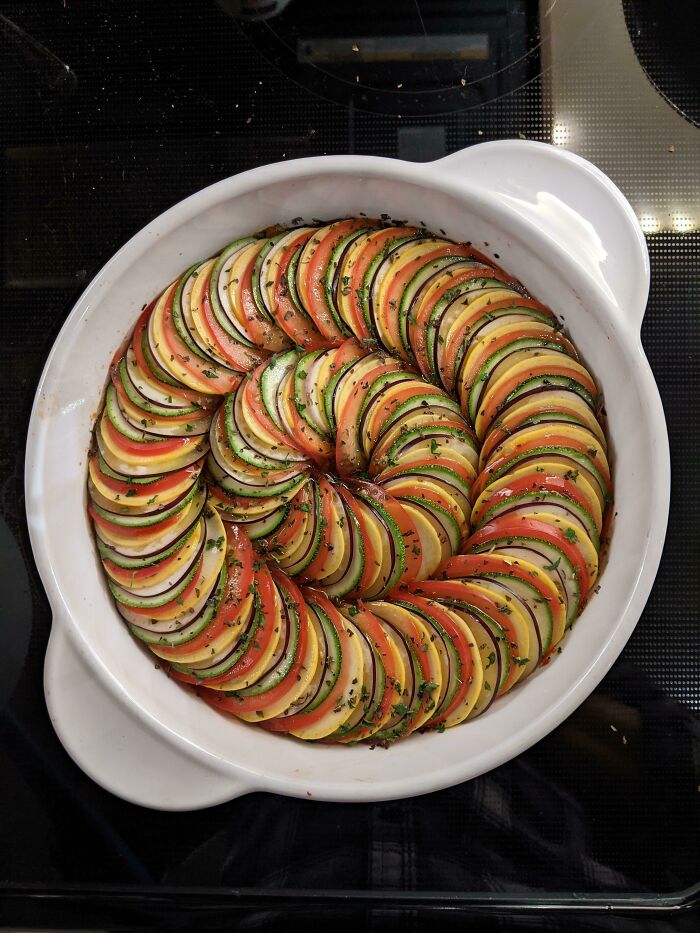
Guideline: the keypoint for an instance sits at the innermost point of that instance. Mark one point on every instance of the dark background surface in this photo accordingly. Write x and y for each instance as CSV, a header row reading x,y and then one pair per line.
x,y
110,113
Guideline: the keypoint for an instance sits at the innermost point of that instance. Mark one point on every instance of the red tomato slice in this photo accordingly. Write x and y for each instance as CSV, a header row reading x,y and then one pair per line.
x,y
126,401
383,446
294,322
408,531
461,590
173,607
266,335
317,564
369,624
497,343
308,440
248,660
288,723
374,244
442,617
454,345
498,435
438,460
463,566
137,347
132,533
240,358
255,403
392,401
251,703
239,578
218,382
388,310
540,482
437,498
159,486
544,440
492,407
292,523
171,445
348,453
418,327
505,527
316,270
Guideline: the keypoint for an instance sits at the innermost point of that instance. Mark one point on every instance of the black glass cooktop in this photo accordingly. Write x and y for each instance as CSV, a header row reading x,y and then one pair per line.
x,y
111,112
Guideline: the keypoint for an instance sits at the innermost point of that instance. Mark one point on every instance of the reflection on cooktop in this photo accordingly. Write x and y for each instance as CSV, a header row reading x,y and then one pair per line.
x,y
667,53
406,58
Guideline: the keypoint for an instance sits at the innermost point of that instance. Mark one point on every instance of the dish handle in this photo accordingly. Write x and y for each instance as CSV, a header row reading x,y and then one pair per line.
x,y
572,203
114,747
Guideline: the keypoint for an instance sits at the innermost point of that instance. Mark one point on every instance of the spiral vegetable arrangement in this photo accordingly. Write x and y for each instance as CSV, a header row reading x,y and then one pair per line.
x,y
349,480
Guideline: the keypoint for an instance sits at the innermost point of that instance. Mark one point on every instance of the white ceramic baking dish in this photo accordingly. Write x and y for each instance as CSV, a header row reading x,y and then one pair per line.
x,y
568,233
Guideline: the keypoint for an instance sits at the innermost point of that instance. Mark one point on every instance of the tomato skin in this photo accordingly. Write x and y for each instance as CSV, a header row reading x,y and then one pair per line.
x,y
309,441
524,484
463,566
492,407
498,435
238,581
291,525
266,335
127,577
193,367
438,460
347,441
252,703
238,356
373,631
407,529
255,403
247,661
497,343
137,347
533,527
318,307
299,720
143,531
293,322
549,439
155,448
431,608
418,330
454,345
378,240
382,447
463,591
166,482
395,398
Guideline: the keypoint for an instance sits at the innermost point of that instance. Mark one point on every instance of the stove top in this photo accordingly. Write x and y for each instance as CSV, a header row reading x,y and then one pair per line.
x,y
109,114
